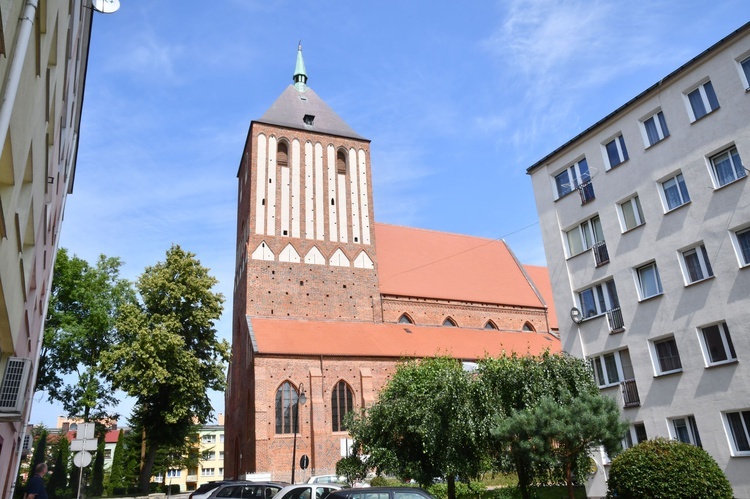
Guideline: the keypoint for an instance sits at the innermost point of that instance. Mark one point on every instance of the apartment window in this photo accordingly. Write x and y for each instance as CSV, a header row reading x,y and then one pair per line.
x,y
208,439
667,356
742,239
173,473
726,167
635,435
702,101
631,214
696,265
616,151
685,430
209,455
286,408
221,456
598,299
655,128
221,438
572,177
584,236
675,192
739,430
744,66
341,405
107,453
612,368
717,344
208,471
649,283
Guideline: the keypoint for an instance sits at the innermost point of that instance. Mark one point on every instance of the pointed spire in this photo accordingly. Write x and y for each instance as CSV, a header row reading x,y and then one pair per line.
x,y
300,75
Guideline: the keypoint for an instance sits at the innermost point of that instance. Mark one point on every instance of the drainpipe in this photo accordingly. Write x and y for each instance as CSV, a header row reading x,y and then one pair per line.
x,y
25,23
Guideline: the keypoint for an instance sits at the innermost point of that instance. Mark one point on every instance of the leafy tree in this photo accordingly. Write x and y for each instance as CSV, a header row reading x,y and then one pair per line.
x,y
509,385
565,434
422,424
353,468
117,471
96,487
58,480
79,328
168,354
666,469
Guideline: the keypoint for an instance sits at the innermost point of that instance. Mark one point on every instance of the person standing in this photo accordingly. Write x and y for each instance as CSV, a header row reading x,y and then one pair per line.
x,y
35,489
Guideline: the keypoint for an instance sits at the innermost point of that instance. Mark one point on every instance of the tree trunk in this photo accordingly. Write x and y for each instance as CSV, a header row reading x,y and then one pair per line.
x,y
523,477
451,486
148,465
569,479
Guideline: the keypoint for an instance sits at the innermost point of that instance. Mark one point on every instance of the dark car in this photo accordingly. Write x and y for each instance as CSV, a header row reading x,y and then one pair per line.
x,y
381,493
247,490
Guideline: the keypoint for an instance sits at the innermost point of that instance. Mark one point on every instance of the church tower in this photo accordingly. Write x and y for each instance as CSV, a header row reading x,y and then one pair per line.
x,y
305,239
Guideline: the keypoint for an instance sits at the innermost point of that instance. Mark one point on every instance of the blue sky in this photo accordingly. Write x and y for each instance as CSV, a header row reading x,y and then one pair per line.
x,y
457,98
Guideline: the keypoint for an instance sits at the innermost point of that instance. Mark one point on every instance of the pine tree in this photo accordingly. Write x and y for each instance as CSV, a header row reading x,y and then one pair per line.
x,y
58,480
116,481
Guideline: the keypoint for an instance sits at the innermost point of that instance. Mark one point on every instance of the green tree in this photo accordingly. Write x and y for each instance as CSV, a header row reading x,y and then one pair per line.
x,y
96,488
422,424
353,468
40,449
667,469
556,435
168,354
509,385
116,480
58,480
79,328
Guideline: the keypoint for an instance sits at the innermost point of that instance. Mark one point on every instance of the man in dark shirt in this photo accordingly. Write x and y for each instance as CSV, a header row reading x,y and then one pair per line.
x,y
36,489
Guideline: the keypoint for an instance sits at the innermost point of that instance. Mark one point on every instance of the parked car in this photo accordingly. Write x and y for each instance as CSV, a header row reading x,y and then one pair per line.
x,y
326,479
307,491
246,490
206,489
381,493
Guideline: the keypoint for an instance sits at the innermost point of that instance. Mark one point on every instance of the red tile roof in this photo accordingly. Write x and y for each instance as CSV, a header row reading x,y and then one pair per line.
x,y
430,264
540,277
367,339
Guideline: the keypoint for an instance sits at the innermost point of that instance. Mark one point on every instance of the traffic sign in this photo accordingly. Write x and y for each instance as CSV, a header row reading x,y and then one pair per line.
x,y
82,459
304,462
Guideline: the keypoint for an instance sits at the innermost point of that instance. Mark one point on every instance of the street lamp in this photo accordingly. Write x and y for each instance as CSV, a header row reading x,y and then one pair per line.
x,y
300,399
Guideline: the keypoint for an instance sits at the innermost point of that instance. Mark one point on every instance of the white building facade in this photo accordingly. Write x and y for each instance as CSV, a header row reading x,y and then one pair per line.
x,y
645,218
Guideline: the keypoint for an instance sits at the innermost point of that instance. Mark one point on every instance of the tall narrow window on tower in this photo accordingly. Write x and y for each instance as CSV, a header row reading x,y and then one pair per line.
x,y
282,154
341,162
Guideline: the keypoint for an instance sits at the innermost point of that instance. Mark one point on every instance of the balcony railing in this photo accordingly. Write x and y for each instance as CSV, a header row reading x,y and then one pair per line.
x,y
630,393
586,190
601,255
614,317
191,478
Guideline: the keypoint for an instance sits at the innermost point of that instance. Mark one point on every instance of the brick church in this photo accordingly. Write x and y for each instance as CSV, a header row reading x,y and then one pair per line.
x,y
327,301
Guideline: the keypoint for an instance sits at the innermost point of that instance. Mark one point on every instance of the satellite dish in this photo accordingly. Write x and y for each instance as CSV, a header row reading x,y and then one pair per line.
x,y
106,6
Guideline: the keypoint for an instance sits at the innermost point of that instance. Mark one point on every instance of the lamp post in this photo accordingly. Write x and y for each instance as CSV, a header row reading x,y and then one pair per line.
x,y
300,399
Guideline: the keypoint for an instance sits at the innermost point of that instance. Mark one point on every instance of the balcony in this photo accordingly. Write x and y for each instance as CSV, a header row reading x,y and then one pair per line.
x,y
586,190
614,317
630,393
601,255
192,478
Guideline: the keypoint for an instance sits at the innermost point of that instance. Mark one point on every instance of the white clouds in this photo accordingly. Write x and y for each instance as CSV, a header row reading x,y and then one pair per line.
x,y
147,56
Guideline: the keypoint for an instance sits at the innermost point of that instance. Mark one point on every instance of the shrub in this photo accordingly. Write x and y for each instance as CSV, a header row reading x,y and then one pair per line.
x,y
381,481
667,469
463,490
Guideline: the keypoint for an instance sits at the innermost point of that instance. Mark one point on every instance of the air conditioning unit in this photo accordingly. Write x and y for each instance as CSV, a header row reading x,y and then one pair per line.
x,y
13,384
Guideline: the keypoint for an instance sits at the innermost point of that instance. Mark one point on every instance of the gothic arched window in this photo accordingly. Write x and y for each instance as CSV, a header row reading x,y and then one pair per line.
x,y
282,154
449,322
528,327
490,325
341,405
286,408
341,162
405,319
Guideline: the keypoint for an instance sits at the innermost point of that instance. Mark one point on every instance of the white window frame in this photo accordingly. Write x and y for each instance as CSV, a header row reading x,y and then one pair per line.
x,y
704,263
688,422
727,344
631,436
208,471
599,292
635,204
208,439
210,455
173,473
660,126
705,90
743,232
743,66
586,233
620,148
575,177
658,370
679,180
599,363
735,162
640,282
744,420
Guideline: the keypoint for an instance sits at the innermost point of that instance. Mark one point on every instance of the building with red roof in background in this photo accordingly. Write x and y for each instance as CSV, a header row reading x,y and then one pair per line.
x,y
327,302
